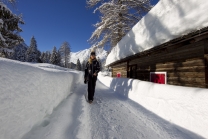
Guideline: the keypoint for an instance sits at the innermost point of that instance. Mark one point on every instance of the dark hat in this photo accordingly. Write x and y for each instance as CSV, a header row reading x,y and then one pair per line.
x,y
92,53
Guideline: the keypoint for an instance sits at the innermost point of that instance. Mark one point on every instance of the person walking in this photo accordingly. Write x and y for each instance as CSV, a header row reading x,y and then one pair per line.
x,y
91,72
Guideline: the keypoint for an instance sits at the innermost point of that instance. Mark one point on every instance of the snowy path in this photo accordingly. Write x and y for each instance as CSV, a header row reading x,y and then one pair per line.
x,y
109,117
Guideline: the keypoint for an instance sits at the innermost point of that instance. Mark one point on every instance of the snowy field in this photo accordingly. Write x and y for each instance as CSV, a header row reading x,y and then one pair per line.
x,y
43,101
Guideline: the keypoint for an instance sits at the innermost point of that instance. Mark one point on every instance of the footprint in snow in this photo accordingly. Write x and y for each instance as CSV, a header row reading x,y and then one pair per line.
x,y
45,123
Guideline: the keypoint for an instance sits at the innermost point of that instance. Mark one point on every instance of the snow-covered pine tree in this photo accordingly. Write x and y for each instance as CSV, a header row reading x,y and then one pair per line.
x,y
9,1
33,54
42,57
54,57
39,54
59,58
65,51
6,53
117,18
3,53
78,66
9,27
98,59
83,65
70,65
49,56
45,58
20,52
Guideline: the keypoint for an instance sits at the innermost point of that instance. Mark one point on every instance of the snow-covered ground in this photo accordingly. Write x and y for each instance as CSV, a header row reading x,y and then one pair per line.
x,y
43,101
110,116
29,92
169,19
183,106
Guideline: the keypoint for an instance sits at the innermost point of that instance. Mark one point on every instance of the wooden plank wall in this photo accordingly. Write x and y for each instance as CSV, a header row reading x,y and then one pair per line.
x,y
122,68
185,65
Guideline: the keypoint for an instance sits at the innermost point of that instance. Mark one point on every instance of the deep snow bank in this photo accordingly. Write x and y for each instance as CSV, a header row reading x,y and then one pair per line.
x,y
29,92
168,20
183,106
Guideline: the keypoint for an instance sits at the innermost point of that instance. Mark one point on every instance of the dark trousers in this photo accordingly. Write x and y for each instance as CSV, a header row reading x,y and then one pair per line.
x,y
91,87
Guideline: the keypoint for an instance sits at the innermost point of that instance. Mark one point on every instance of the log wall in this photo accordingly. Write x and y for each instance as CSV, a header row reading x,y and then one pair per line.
x,y
122,68
185,64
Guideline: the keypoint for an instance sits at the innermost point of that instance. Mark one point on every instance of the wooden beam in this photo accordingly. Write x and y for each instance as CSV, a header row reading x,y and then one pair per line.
x,y
206,62
186,74
127,69
186,84
202,37
185,52
182,69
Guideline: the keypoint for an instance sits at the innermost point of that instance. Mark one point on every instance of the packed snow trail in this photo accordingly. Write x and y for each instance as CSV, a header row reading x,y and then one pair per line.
x,y
110,116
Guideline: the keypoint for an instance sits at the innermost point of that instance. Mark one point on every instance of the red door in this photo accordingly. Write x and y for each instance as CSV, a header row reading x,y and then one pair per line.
x,y
158,78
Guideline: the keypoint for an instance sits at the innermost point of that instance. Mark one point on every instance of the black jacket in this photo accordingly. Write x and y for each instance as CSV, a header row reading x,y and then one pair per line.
x,y
90,69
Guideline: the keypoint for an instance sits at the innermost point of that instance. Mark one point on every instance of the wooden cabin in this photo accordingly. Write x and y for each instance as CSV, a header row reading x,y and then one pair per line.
x,y
184,60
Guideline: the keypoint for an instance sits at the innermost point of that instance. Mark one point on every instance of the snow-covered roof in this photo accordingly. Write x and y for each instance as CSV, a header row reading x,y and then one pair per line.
x,y
168,20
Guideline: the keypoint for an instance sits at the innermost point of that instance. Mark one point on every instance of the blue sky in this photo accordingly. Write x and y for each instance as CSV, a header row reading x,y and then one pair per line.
x,y
54,21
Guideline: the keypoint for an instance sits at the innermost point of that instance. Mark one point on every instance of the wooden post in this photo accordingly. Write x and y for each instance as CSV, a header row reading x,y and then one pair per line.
x,y
206,62
127,69
112,71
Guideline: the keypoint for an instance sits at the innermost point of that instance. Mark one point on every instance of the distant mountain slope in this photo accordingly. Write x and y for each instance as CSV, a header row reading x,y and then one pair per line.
x,y
84,55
